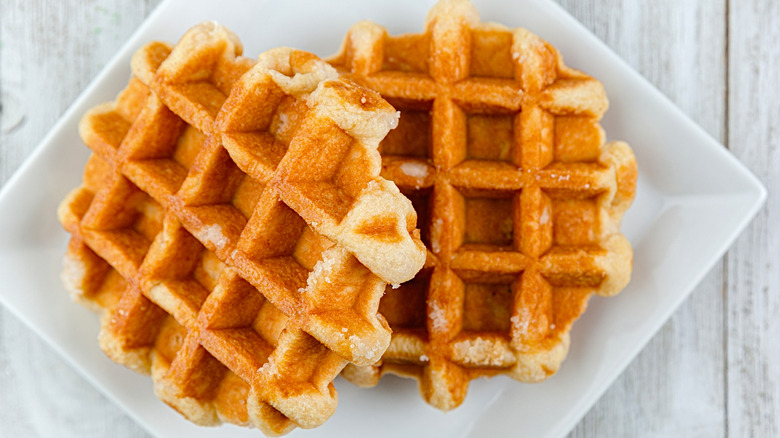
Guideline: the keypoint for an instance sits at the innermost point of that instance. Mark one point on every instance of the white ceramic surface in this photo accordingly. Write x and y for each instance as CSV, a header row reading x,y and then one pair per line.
x,y
693,200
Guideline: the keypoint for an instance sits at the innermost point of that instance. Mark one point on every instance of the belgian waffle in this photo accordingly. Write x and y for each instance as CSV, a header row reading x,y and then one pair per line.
x,y
234,232
520,200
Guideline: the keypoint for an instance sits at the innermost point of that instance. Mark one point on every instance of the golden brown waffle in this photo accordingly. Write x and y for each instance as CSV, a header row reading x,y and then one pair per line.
x,y
520,200
234,232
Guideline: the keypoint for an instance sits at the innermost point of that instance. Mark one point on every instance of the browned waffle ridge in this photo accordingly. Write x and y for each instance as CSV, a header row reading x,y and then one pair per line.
x,y
234,232
520,200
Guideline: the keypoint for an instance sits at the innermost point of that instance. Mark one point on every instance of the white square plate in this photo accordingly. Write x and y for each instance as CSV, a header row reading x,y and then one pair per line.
x,y
693,200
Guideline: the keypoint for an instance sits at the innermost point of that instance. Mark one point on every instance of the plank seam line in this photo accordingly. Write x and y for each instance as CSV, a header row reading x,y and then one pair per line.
x,y
727,117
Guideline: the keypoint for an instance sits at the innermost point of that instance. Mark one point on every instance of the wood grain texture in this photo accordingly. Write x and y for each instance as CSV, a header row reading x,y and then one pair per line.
x,y
714,368
675,387
753,273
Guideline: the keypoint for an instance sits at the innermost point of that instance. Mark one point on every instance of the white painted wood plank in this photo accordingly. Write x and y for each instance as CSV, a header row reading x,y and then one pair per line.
x,y
675,387
50,51
753,298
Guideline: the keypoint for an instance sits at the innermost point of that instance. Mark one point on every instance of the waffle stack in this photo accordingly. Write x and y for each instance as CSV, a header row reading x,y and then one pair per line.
x,y
234,232
245,242
520,200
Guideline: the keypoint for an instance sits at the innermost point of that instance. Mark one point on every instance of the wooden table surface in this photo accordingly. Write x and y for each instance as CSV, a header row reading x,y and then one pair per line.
x,y
714,368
